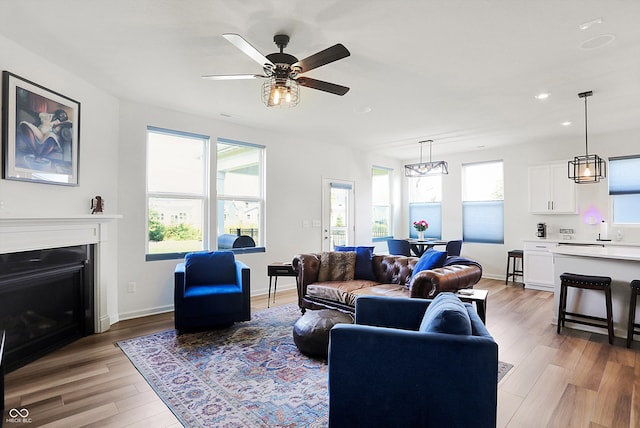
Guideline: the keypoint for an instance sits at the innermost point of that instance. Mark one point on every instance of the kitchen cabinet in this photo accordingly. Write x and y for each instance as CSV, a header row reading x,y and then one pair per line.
x,y
551,191
538,265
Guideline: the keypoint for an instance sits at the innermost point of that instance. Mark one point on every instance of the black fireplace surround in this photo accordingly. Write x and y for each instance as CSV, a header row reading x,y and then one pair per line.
x,y
46,301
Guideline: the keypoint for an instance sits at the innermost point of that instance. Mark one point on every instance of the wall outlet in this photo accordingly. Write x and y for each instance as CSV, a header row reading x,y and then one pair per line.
x,y
131,287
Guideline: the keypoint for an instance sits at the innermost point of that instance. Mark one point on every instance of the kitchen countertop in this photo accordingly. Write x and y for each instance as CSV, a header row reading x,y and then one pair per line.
x,y
616,252
577,242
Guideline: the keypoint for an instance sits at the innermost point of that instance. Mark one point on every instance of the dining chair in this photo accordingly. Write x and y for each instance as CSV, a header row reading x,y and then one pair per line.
x,y
399,247
454,248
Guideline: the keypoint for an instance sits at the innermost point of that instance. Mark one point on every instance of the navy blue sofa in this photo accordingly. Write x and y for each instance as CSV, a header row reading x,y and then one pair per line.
x,y
211,289
393,368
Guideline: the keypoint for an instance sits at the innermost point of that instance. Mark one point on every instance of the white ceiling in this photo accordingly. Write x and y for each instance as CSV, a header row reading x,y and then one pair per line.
x,y
461,72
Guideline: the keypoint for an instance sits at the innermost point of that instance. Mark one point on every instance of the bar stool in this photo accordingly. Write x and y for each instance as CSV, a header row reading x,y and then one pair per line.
x,y
514,255
633,326
589,282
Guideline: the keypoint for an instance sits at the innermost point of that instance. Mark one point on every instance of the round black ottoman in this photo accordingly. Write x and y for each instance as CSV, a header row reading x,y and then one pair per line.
x,y
311,331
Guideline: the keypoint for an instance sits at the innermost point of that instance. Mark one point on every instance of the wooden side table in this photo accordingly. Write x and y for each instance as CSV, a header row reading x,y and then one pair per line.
x,y
277,269
478,296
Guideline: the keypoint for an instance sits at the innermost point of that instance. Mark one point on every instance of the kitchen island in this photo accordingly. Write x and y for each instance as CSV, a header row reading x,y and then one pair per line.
x,y
621,263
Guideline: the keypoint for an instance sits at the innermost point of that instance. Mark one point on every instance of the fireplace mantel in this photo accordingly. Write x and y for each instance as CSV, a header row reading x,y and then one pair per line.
x,y
37,233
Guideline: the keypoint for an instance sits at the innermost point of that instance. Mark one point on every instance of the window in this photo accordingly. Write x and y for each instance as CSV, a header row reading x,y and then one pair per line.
x,y
483,202
624,188
177,193
425,203
381,202
240,189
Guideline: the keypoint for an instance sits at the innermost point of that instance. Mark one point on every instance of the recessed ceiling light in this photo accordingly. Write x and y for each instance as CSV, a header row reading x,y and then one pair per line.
x,y
363,109
598,41
542,96
566,123
586,25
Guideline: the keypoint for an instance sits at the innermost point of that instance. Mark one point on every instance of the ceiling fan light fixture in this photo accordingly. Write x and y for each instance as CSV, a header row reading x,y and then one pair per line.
x,y
280,92
588,168
423,169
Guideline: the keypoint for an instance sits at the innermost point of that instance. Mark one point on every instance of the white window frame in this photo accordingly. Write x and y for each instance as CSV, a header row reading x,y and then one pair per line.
x,y
383,204
260,199
203,197
473,202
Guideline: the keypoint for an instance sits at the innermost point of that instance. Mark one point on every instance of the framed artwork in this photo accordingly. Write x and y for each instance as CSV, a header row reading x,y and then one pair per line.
x,y
41,133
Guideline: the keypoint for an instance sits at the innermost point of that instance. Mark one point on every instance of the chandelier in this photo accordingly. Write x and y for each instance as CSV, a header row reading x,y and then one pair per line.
x,y
426,168
587,168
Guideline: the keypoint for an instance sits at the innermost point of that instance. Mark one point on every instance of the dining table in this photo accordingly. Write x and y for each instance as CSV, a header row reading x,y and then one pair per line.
x,y
419,246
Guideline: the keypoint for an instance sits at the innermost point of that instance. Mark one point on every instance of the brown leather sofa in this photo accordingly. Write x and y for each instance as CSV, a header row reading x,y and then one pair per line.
x,y
393,276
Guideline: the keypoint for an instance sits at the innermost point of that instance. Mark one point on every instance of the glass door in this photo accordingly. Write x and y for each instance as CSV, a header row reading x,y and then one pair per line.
x,y
337,214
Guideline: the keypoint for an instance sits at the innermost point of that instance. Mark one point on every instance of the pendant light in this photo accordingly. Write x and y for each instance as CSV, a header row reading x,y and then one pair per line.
x,y
426,168
587,168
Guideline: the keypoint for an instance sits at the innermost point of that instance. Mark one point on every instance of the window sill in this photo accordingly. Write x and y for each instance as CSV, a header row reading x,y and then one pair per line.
x,y
177,256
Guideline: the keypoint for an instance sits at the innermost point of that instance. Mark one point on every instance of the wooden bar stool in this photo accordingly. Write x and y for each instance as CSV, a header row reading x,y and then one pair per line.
x,y
515,255
633,327
588,282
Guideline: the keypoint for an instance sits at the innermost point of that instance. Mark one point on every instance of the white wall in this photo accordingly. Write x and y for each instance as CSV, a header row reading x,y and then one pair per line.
x,y
294,173
98,167
519,223
98,150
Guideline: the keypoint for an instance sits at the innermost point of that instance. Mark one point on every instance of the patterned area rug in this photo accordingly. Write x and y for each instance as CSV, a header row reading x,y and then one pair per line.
x,y
250,374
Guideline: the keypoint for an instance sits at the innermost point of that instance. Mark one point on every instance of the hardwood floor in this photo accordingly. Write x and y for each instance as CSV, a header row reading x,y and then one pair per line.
x,y
574,379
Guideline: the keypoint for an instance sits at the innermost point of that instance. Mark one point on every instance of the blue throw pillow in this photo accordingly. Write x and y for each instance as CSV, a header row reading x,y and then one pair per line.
x,y
431,259
364,266
446,314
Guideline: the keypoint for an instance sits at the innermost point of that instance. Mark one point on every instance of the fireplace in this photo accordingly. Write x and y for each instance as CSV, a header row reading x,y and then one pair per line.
x,y
46,300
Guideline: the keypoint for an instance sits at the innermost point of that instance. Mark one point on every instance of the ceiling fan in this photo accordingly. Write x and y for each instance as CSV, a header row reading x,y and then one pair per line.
x,y
283,70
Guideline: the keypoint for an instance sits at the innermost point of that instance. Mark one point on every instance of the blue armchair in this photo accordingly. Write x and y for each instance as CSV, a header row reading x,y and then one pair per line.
x,y
211,289
391,368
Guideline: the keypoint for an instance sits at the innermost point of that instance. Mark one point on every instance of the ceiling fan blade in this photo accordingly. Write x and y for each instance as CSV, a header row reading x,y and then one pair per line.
x,y
322,86
232,76
326,56
244,46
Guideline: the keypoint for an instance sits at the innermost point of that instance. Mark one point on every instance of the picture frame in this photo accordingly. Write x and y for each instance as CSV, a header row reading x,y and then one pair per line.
x,y
40,133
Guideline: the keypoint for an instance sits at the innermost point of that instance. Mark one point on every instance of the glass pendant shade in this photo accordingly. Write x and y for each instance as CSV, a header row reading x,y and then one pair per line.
x,y
423,169
588,168
280,92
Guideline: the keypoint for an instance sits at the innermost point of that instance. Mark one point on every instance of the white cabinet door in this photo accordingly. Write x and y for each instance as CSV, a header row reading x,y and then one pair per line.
x,y
539,185
551,191
563,191
538,266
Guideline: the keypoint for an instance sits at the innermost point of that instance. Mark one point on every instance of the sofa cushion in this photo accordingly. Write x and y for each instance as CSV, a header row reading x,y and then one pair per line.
x,y
198,267
431,259
446,314
337,266
364,266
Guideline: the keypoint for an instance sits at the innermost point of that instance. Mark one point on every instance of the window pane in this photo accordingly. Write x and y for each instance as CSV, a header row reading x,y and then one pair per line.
x,y
380,186
623,176
483,182
240,218
238,170
175,164
381,215
381,201
483,203
483,222
432,213
425,189
175,225
626,209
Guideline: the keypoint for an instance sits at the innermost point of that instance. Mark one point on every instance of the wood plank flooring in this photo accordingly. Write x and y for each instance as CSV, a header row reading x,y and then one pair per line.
x,y
574,379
